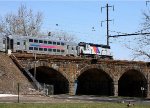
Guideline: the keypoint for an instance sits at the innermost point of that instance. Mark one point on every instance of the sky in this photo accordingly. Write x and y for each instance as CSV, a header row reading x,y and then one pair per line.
x,y
78,17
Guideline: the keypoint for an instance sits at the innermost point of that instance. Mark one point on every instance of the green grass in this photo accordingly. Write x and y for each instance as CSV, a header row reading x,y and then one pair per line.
x,y
70,105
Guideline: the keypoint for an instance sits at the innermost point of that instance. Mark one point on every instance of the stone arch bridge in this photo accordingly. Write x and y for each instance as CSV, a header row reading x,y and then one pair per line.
x,y
90,76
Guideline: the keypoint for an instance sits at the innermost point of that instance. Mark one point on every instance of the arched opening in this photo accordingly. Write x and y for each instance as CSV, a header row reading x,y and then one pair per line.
x,y
94,82
133,84
49,76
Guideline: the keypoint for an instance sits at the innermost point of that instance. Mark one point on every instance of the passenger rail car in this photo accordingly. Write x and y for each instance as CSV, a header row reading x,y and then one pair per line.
x,y
51,46
39,45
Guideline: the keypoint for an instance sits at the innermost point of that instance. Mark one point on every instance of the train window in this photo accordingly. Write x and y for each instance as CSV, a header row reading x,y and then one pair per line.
x,y
50,50
67,46
36,41
62,43
49,42
24,43
30,40
18,43
58,50
54,50
62,51
45,42
58,43
40,49
35,48
30,48
72,48
40,41
45,49
54,43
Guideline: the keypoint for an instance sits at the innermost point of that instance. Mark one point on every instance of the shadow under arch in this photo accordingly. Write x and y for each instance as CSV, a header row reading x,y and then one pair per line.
x,y
94,82
50,76
132,84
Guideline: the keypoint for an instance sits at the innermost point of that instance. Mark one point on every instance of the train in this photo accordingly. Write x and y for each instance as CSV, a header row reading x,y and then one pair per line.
x,y
52,46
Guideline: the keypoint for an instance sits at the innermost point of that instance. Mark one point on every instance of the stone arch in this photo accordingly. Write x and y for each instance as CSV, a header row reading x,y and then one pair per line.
x,y
143,72
93,80
132,83
50,76
87,67
46,64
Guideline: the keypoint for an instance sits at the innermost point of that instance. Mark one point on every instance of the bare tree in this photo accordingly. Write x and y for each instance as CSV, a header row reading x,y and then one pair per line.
x,y
25,22
142,48
64,36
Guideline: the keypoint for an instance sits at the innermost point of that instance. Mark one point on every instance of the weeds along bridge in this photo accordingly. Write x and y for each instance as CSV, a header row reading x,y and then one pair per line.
x,y
78,76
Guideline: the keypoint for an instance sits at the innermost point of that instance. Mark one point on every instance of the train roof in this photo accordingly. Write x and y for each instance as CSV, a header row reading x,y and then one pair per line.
x,y
36,37
47,38
32,37
97,45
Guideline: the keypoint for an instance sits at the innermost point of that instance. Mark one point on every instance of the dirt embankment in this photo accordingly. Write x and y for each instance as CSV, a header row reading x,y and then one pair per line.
x,y
10,76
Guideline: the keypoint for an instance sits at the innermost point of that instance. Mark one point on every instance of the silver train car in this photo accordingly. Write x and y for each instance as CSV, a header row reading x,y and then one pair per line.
x,y
39,45
51,46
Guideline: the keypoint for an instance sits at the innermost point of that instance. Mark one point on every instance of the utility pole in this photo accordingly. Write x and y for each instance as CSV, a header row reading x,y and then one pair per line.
x,y
107,24
107,20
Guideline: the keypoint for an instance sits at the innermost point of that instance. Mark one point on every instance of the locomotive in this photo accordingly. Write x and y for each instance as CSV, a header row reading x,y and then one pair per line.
x,y
51,46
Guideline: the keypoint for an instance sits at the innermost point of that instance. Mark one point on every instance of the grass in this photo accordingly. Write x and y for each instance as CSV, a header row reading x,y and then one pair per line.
x,y
69,105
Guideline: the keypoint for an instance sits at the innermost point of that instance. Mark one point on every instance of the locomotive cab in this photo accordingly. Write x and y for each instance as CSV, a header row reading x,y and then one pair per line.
x,y
6,43
16,43
84,48
3,46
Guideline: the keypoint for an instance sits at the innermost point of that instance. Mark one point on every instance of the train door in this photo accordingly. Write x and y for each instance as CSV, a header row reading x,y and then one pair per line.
x,y
24,44
68,50
10,44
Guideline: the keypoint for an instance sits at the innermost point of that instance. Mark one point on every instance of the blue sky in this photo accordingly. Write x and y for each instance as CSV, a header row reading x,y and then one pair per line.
x,y
77,17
